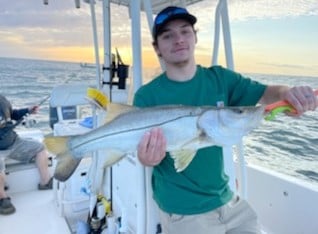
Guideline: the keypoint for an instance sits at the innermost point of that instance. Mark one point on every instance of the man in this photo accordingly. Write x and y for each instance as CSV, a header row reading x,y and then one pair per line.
x,y
24,150
199,200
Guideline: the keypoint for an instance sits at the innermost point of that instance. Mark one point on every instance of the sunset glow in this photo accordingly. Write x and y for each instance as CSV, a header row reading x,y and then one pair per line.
x,y
265,40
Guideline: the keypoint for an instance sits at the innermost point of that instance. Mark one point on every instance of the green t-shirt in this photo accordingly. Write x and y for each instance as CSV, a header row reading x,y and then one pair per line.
x,y
203,185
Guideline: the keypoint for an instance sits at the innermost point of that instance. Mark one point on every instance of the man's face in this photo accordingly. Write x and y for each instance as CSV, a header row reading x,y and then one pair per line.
x,y
176,43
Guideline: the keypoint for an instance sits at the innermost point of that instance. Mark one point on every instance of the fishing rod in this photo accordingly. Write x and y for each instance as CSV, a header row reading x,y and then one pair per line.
x,y
42,101
30,123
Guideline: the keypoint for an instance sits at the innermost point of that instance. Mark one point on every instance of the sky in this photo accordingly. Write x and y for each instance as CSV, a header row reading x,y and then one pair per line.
x,y
268,36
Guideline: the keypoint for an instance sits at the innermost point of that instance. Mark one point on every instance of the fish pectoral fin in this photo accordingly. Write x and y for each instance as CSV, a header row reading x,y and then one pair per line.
x,y
56,145
182,158
66,165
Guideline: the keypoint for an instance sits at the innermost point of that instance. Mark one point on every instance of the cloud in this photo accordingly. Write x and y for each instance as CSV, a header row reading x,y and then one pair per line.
x,y
245,9
28,26
33,13
282,65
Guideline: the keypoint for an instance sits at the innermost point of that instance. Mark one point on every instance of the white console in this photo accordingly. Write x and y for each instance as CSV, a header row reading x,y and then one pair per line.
x,y
71,108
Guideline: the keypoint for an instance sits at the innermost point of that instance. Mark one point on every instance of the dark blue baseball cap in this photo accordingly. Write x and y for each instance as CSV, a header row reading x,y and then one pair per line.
x,y
168,14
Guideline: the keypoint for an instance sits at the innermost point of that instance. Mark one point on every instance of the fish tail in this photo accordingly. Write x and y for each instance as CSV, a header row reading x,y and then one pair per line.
x,y
66,165
56,145
66,162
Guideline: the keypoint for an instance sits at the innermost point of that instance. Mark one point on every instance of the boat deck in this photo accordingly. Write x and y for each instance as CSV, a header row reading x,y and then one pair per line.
x,y
36,212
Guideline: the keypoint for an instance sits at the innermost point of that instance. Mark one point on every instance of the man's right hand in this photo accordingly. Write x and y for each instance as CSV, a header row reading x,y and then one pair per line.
x,y
152,147
33,109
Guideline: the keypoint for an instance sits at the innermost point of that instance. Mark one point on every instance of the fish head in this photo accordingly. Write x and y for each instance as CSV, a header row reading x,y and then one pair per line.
x,y
227,126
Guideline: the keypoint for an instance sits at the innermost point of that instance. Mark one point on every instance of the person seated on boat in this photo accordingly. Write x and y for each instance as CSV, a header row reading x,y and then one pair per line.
x,y
24,150
199,199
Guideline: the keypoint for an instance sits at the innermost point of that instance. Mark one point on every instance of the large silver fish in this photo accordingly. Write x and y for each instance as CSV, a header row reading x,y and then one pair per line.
x,y
186,128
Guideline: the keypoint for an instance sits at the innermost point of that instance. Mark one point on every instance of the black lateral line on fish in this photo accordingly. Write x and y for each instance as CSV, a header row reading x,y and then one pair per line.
x,y
191,114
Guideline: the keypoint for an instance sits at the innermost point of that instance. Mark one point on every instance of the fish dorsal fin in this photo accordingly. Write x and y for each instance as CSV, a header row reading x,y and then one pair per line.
x,y
115,109
182,158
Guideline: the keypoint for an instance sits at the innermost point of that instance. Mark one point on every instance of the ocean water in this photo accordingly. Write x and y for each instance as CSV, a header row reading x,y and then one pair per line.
x,y
287,145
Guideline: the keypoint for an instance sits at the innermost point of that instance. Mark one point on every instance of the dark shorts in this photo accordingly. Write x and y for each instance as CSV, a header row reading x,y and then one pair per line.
x,y
23,150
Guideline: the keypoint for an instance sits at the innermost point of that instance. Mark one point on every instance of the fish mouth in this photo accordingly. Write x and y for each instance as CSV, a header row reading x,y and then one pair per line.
x,y
257,116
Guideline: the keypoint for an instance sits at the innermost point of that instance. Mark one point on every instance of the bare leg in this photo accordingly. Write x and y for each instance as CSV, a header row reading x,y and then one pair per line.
x,y
41,161
6,206
2,184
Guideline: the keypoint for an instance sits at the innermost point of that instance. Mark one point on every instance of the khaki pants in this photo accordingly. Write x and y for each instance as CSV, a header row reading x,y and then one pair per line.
x,y
236,217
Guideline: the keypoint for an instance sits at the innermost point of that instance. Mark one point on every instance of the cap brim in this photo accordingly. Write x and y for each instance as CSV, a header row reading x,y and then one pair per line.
x,y
187,17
